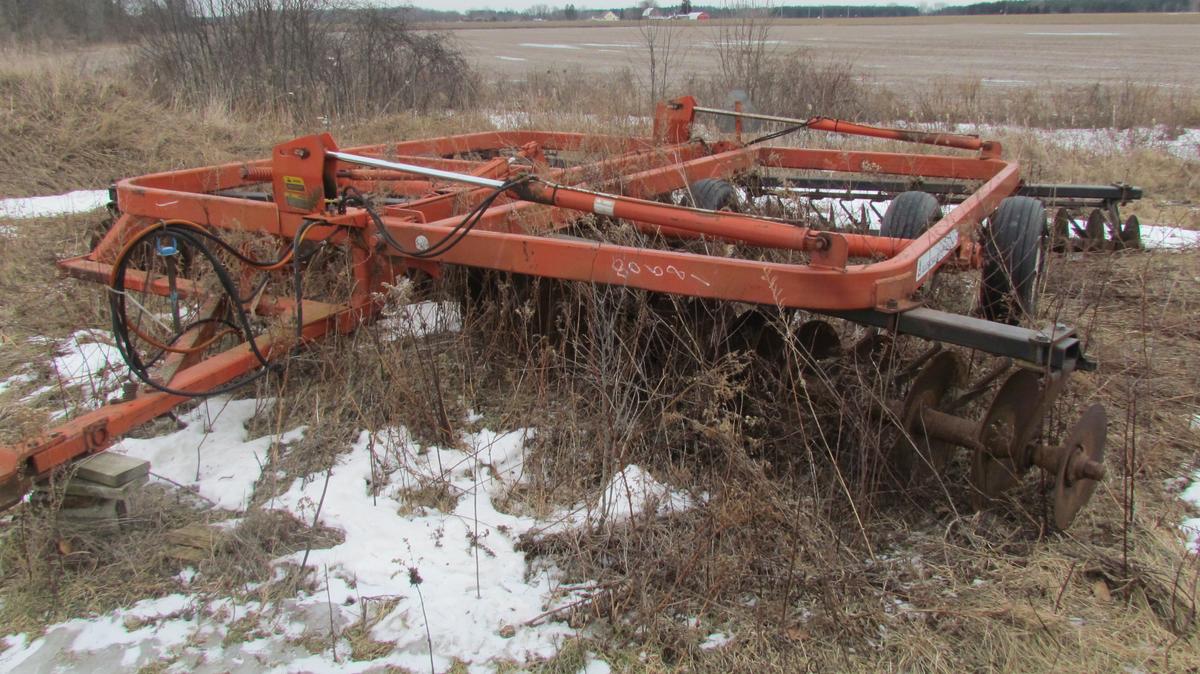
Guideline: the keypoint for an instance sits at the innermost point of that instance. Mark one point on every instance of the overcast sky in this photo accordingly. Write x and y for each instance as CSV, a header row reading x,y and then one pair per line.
x,y
608,4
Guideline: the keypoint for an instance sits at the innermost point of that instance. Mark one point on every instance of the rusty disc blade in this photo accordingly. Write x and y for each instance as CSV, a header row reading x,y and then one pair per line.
x,y
753,332
869,347
1131,233
1086,442
1060,231
1002,456
1094,234
818,339
916,457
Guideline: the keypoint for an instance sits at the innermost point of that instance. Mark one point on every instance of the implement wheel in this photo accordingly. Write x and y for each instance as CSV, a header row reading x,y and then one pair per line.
x,y
909,215
1013,258
713,194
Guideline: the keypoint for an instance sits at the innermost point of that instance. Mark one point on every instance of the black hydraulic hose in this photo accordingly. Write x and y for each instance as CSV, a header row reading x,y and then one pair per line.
x,y
351,196
776,134
196,237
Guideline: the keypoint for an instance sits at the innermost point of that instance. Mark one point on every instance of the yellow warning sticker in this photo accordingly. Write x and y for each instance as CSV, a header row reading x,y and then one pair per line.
x,y
293,183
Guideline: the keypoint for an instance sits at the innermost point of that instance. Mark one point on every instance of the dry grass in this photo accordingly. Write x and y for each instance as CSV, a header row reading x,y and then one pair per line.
x,y
29,283
800,550
67,125
53,570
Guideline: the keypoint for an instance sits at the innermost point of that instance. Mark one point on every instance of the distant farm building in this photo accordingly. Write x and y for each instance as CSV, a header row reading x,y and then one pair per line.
x,y
693,16
607,16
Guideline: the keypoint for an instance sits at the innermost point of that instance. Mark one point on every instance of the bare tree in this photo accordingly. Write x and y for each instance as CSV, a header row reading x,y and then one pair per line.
x,y
663,53
744,47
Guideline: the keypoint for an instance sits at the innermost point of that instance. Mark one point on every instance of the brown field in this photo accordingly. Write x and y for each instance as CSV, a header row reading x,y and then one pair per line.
x,y
1001,51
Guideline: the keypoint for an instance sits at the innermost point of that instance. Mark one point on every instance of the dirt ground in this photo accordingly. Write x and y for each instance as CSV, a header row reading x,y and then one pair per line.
x,y
1001,51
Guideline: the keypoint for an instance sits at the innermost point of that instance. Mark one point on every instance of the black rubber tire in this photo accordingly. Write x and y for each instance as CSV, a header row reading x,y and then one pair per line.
x,y
1014,253
713,194
909,215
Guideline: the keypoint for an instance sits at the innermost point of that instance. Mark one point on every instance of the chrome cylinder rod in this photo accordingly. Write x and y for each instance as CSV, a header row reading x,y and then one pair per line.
x,y
426,171
751,115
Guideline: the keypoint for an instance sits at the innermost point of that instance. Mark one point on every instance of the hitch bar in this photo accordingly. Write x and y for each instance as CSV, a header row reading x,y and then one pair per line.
x,y
1055,348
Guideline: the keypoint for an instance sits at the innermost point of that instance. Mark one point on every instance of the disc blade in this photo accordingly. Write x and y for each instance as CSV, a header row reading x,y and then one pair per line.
x,y
916,457
1011,420
1085,443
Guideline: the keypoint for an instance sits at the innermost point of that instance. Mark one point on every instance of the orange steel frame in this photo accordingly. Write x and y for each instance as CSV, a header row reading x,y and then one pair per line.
x,y
517,234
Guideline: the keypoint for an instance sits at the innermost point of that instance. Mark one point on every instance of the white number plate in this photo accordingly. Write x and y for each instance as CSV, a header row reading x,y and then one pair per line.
x,y
932,257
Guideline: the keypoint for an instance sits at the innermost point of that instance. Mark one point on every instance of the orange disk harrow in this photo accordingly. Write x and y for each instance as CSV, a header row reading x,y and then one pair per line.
x,y
512,201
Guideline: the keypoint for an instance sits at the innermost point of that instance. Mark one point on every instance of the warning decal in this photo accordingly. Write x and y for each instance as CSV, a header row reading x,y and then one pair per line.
x,y
293,183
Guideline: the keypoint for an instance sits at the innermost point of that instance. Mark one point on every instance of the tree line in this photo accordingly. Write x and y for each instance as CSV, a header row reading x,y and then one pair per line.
x,y
98,20
1073,7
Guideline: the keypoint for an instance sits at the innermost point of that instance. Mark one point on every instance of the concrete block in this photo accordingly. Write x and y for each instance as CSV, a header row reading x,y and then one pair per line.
x,y
112,470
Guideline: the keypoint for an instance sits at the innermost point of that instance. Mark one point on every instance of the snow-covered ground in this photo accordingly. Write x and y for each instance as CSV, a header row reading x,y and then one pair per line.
x,y
86,366
1175,238
445,574
418,319
80,201
1191,494
441,574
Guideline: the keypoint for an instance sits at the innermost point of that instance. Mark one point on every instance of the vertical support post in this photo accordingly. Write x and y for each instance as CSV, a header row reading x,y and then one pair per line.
x,y
737,122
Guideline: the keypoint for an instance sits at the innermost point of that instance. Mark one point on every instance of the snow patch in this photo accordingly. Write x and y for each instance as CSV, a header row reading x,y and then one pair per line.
x,y
505,120
718,44
124,640
1172,238
420,319
1183,144
444,569
1191,494
632,492
714,641
1191,526
16,380
454,572
213,454
540,45
1191,532
79,201
1071,34
88,361
511,58
86,365
1160,237
595,666
509,120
